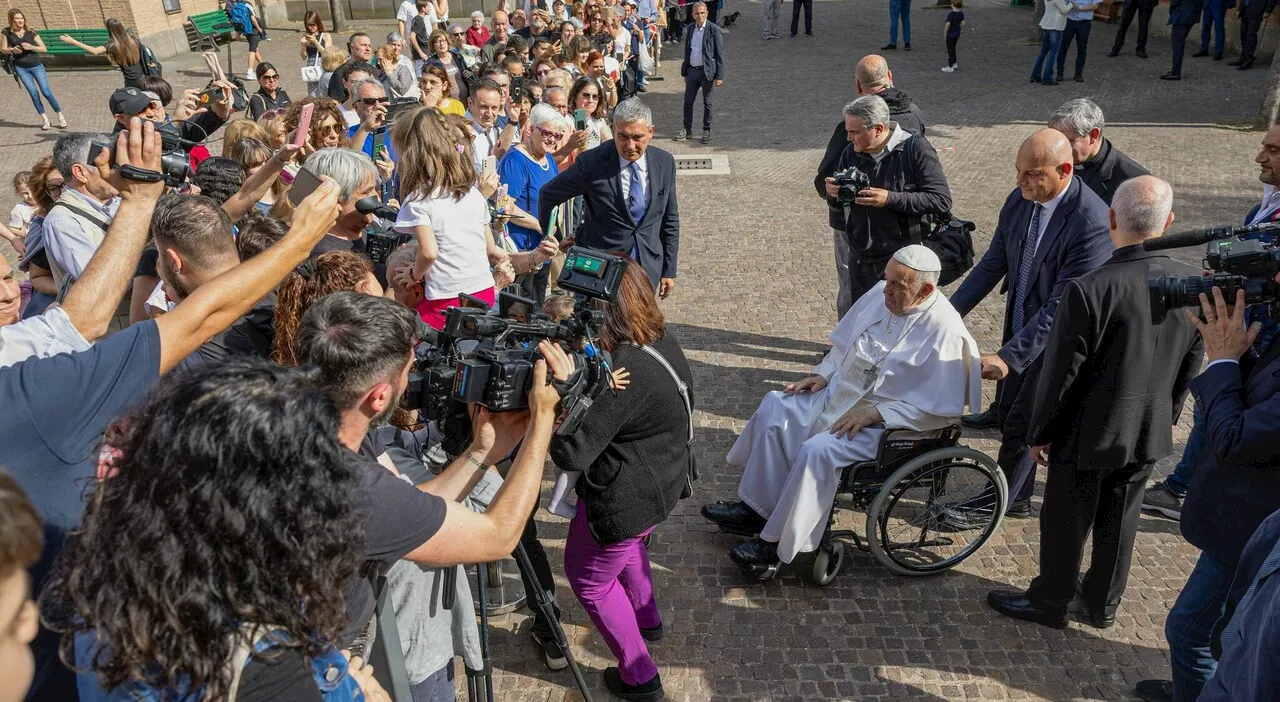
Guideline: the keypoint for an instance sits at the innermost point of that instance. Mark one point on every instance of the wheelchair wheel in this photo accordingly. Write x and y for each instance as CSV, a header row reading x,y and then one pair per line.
x,y
826,564
936,510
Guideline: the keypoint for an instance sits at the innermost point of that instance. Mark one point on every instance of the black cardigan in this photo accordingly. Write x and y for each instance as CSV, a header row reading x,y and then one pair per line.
x,y
631,447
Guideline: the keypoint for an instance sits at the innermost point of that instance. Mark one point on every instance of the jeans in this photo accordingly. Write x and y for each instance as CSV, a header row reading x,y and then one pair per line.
x,y
1043,70
1180,479
31,77
1078,30
1178,46
1189,626
697,80
899,8
1215,16
808,16
438,687
769,18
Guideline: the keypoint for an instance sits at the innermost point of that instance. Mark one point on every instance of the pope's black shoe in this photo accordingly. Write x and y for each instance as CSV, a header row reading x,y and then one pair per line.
x,y
736,516
982,420
754,551
1014,603
650,691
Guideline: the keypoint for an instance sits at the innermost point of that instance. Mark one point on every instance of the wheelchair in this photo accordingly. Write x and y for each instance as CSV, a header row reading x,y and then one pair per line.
x,y
929,504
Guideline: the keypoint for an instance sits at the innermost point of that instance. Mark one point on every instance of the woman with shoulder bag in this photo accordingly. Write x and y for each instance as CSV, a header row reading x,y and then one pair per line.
x,y
634,455
314,41
270,95
22,47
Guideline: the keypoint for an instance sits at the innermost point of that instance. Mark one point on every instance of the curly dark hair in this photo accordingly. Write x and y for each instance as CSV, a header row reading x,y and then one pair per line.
x,y
230,505
219,178
336,271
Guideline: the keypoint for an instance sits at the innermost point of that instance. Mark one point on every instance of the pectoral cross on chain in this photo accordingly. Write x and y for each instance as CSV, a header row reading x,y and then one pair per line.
x,y
869,376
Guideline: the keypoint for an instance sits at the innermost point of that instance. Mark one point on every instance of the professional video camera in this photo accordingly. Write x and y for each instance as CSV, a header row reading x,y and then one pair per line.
x,y
380,243
850,181
1238,264
497,369
175,158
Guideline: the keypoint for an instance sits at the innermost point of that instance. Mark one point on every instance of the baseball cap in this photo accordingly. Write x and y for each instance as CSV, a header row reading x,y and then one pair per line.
x,y
131,101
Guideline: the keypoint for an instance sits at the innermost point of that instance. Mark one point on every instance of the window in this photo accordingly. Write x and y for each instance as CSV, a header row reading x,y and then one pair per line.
x,y
172,6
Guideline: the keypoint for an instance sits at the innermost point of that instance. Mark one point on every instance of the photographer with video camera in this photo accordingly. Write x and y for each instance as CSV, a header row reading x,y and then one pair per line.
x,y
634,455
887,185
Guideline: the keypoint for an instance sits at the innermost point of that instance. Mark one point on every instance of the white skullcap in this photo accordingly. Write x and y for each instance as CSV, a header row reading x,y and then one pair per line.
x,y
918,257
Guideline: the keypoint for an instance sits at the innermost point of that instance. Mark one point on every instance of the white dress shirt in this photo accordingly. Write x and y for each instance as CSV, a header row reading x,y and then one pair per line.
x,y
1046,213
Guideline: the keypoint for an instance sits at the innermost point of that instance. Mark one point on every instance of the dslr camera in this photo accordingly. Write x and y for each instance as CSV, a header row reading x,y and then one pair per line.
x,y
1237,264
486,356
175,158
850,181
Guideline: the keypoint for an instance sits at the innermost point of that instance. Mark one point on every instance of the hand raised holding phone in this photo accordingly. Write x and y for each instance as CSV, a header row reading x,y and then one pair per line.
x,y
316,214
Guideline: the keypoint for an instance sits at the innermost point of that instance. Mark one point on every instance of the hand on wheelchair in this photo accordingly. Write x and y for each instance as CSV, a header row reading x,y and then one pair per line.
x,y
854,421
812,383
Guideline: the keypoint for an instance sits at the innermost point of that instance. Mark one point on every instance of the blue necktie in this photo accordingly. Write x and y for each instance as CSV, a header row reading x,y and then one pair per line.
x,y
1024,268
636,203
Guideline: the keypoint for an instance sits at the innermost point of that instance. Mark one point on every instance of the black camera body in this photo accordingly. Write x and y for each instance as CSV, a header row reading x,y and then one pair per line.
x,y
175,157
1237,264
486,356
850,181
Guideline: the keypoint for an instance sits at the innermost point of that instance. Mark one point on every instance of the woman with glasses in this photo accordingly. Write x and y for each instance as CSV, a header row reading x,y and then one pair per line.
x,y
23,46
524,169
450,60
596,69
435,91
270,95
589,96
314,41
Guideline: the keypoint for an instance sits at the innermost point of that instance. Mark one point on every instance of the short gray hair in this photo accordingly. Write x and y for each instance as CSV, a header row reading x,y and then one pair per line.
x,y
355,89
868,109
1142,205
73,148
544,115
476,14
403,255
1080,115
632,110
348,168
395,36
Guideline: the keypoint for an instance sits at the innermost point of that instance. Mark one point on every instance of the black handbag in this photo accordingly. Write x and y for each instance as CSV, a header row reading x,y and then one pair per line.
x,y
951,238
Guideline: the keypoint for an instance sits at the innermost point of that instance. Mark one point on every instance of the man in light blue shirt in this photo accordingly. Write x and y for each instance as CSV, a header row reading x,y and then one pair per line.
x,y
1079,22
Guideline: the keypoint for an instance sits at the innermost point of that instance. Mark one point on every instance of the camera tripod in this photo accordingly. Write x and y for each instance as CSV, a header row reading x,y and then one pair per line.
x,y
480,682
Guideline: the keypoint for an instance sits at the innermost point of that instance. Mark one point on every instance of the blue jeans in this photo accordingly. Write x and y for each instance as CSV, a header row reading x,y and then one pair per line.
x,y
1215,16
1048,54
1180,479
31,77
1189,626
437,687
899,9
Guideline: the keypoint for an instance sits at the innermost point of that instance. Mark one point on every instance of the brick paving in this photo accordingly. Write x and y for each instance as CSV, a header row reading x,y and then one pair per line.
x,y
755,303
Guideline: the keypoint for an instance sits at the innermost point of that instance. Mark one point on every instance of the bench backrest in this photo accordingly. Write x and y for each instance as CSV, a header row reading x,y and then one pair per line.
x,y
207,22
93,37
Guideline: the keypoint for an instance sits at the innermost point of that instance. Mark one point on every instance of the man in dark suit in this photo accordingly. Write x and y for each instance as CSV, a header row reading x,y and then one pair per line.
x,y
1051,229
1143,8
1183,15
629,196
1253,14
1099,164
1108,392
1236,485
702,69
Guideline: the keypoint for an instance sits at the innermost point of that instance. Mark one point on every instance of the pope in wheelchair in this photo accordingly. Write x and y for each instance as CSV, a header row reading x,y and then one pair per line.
x,y
901,358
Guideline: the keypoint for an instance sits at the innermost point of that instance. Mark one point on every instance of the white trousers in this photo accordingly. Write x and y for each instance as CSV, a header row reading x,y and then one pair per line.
x,y
791,468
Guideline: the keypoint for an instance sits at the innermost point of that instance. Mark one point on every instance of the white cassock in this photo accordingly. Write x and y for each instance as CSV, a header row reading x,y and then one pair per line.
x,y
919,370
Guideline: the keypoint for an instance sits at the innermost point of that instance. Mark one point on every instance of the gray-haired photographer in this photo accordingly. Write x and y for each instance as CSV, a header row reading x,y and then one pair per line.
x,y
887,191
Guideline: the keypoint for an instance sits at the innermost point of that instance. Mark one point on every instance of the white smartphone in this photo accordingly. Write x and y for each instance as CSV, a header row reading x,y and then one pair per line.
x,y
490,165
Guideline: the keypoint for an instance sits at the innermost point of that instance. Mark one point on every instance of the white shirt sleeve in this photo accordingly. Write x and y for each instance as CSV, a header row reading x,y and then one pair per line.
x,y
41,336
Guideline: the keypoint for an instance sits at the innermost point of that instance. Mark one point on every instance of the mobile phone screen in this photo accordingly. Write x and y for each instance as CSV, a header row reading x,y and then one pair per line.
x,y
304,184
304,124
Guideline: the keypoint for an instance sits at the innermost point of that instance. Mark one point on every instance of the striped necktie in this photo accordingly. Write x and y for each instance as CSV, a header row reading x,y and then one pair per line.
x,y
1024,268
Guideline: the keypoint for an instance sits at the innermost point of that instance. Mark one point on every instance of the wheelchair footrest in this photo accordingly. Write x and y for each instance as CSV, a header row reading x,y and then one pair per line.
x,y
762,571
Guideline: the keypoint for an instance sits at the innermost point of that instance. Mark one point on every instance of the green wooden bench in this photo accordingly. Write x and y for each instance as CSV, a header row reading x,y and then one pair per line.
x,y
206,28
58,47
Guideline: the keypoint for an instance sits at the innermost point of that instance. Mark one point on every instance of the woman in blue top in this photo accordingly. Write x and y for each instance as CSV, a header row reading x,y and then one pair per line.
x,y
222,523
524,169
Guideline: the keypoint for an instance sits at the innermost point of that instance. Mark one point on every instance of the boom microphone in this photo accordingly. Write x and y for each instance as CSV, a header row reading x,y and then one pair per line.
x,y
1182,239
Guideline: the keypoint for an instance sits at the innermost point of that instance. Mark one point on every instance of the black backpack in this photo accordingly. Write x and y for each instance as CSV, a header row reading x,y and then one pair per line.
x,y
949,237
150,66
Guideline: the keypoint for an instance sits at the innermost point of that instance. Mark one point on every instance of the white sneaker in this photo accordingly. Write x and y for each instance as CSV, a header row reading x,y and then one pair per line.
x,y
249,75
948,69
954,66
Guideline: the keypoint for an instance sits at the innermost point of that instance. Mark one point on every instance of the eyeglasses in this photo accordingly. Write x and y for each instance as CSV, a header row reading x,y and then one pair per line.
x,y
457,34
589,96
370,102
53,187
550,135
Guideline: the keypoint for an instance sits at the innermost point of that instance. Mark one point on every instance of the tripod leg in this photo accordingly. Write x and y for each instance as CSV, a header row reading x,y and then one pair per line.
x,y
485,675
546,606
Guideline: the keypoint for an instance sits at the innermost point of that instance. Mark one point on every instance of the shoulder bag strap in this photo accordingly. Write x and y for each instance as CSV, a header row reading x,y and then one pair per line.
x,y
83,213
680,385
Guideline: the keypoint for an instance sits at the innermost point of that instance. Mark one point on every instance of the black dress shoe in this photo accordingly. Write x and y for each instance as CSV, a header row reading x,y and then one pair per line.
x,y
889,47
1235,62
645,692
1113,53
1170,76
1019,509
1142,53
906,46
1200,54
982,420
734,515
1217,56
652,635
1059,78
754,551
1014,604
1245,66
1154,690
1048,82
1078,78
1034,79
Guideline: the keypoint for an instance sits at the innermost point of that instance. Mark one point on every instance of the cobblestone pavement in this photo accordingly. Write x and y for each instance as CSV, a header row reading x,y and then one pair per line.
x,y
755,303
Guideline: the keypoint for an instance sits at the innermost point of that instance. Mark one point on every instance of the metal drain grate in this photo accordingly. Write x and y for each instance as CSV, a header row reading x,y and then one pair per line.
x,y
712,164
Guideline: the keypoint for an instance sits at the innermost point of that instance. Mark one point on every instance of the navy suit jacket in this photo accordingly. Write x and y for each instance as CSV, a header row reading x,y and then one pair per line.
x,y
713,58
1077,240
607,223
1237,478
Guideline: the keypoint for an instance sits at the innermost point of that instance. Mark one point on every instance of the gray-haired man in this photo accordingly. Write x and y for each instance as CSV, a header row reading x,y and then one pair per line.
x,y
357,177
1100,165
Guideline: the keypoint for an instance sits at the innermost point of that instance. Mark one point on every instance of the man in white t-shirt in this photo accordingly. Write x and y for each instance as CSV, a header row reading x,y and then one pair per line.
x,y
404,16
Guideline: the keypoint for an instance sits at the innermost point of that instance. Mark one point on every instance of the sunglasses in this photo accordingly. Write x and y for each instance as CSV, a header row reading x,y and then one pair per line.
x,y
550,135
457,34
272,76
370,102
589,96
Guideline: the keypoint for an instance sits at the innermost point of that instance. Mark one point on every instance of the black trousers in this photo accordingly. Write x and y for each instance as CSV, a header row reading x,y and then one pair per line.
x,y
864,273
1249,26
1144,22
1078,30
808,16
1013,408
1178,46
542,571
1083,500
951,50
696,80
